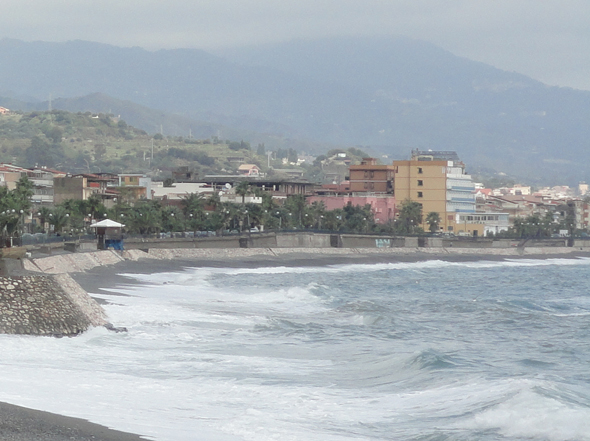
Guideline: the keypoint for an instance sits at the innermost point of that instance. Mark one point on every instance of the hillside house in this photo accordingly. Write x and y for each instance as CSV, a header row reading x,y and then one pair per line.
x,y
249,170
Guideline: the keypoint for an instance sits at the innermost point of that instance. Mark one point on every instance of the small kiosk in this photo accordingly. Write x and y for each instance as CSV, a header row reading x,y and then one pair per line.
x,y
109,234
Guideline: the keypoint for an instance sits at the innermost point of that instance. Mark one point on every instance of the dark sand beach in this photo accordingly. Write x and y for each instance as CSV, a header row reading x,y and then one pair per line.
x,y
109,276
22,424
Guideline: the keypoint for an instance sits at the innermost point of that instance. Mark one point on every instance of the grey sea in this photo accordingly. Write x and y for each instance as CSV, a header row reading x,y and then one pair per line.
x,y
432,350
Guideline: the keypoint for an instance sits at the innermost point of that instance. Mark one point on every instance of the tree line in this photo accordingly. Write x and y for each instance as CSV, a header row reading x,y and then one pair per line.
x,y
197,212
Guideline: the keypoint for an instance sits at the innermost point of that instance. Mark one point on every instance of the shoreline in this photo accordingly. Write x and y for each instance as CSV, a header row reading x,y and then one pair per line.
x,y
106,276
104,269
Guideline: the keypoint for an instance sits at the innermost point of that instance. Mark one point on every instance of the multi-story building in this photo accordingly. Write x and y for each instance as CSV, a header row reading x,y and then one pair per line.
x,y
82,186
370,177
42,179
135,186
370,184
9,175
438,181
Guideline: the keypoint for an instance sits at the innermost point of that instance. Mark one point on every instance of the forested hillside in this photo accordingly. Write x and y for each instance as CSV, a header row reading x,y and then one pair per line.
x,y
89,142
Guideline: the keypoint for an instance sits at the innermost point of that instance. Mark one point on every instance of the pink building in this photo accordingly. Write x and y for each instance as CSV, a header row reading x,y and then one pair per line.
x,y
383,206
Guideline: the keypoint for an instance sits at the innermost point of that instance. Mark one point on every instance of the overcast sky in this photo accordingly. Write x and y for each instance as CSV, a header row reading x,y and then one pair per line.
x,y
548,40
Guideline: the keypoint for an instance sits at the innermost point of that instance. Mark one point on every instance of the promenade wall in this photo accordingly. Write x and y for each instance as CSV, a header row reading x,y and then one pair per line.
x,y
322,240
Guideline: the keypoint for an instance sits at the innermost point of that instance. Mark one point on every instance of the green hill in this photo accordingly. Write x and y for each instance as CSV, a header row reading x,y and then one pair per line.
x,y
87,142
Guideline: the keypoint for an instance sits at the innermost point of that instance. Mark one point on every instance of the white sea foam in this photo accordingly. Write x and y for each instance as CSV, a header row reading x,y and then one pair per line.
x,y
347,268
532,415
327,353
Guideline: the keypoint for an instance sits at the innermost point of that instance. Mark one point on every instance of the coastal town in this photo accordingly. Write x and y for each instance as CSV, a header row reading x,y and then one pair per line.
x,y
430,193
253,221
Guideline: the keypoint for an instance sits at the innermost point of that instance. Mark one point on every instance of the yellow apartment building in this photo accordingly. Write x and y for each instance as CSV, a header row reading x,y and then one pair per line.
x,y
437,180
425,183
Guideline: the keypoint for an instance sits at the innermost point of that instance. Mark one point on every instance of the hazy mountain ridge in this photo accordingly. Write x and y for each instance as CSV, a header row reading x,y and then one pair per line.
x,y
392,94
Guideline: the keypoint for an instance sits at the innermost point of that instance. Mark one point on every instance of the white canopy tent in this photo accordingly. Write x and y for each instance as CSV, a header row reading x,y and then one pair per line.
x,y
107,223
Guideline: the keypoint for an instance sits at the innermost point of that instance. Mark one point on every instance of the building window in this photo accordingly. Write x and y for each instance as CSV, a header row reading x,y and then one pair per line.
x,y
419,170
420,183
420,194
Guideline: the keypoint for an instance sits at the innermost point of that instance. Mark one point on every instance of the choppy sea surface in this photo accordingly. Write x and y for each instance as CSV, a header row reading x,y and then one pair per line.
x,y
401,351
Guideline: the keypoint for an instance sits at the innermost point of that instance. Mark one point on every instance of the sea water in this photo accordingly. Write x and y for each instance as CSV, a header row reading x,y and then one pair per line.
x,y
402,351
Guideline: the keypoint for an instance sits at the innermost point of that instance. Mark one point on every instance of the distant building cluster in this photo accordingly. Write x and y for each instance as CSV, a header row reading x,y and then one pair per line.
x,y
436,180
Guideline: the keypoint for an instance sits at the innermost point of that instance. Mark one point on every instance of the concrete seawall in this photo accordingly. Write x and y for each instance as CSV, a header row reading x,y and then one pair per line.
x,y
46,305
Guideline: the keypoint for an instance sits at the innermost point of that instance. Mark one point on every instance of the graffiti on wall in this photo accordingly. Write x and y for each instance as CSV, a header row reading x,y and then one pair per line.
x,y
383,243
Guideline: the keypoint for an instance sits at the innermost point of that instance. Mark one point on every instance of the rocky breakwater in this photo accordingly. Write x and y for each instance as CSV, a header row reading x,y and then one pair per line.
x,y
52,305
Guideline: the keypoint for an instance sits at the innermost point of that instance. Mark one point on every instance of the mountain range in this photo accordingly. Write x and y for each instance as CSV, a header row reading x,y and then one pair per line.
x,y
386,94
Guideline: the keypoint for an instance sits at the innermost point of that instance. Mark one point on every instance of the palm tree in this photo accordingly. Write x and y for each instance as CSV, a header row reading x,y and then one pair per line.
x,y
192,203
410,217
213,200
243,189
433,220
43,214
295,205
94,206
144,219
59,219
